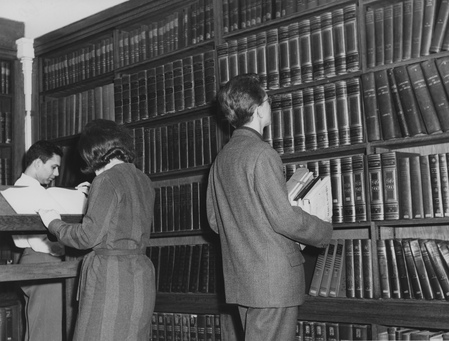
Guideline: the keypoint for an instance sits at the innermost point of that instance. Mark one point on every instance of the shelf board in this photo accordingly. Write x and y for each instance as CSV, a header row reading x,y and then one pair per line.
x,y
26,272
426,314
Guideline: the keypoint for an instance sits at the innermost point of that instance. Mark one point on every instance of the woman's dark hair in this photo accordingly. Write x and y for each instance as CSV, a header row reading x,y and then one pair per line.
x,y
43,150
239,97
104,140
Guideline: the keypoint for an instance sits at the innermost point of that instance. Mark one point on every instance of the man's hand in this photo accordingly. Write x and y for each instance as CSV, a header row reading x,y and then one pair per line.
x,y
48,216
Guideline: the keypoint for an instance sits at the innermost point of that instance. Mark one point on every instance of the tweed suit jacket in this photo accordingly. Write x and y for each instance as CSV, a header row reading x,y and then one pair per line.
x,y
247,204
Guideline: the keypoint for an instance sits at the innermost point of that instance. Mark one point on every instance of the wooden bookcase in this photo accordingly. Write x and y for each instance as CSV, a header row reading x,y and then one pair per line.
x,y
104,34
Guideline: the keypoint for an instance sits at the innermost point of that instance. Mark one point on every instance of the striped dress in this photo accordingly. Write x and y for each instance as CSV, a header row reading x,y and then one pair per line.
x,y
117,282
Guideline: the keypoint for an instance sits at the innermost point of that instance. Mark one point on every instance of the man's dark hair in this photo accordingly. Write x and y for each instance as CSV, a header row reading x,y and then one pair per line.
x,y
43,150
104,140
239,97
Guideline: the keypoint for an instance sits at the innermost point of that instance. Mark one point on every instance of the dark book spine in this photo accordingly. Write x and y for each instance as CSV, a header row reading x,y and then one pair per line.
x,y
337,190
376,187
389,121
277,124
416,189
440,27
398,31
343,113
169,88
367,269
309,119
435,181
429,18
305,50
397,104
370,37
426,186
316,40
284,60
370,106
348,190
407,30
358,169
340,41
389,34
178,85
198,80
272,59
412,113
330,98
242,53
383,264
223,63
320,117
421,269
405,189
417,29
288,124
437,92
189,96
160,90
355,111
252,53
328,44
431,274
298,121
379,36
393,272
261,43
444,176
351,33
404,280
412,271
350,272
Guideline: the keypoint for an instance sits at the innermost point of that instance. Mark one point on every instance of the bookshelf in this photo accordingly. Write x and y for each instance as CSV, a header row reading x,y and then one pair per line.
x,y
319,78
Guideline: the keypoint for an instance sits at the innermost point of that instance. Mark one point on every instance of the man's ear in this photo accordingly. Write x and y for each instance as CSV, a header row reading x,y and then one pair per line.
x,y
37,163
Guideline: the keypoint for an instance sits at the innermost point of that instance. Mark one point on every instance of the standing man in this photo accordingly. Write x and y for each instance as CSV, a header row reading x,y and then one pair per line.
x,y
43,299
247,204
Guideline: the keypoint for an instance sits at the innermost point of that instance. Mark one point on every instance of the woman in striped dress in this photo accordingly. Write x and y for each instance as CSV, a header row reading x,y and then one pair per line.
x,y
117,281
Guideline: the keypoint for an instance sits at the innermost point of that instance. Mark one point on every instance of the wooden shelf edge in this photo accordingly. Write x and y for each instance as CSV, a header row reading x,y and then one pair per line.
x,y
25,272
426,314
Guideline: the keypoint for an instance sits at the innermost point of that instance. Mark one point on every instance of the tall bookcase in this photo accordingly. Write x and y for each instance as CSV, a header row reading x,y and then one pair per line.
x,y
329,67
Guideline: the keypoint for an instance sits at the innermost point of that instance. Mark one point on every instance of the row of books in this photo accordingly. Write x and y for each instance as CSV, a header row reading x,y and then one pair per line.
x,y
344,269
187,268
308,50
414,268
89,61
179,207
65,116
404,333
331,331
408,100
241,14
172,87
10,319
348,184
317,117
406,29
184,326
180,145
408,185
5,171
5,77
189,25
5,120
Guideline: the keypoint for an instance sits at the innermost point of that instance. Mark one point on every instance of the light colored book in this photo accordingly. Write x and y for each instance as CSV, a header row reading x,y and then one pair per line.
x,y
28,200
297,181
318,200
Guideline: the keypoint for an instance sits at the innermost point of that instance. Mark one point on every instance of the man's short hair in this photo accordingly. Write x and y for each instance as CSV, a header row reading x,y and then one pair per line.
x,y
43,150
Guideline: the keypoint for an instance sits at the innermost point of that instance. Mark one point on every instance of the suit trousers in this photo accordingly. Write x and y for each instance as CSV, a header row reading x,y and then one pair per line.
x,y
43,302
269,324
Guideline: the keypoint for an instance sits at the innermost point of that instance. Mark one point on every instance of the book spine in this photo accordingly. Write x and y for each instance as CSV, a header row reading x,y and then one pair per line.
x,y
242,51
358,268
343,113
189,95
330,98
389,121
288,124
305,50
370,106
198,80
317,48
435,181
272,59
389,34
416,189
338,269
431,274
437,92
358,169
370,37
412,113
440,27
233,58
404,279
426,186
407,30
320,117
261,42
328,45
277,124
318,272
398,31
298,119
350,272
405,189
395,285
351,33
294,54
379,36
444,178
337,190
429,18
397,104
311,142
328,267
223,63
367,268
417,29
384,276
252,53
376,187
348,190
421,269
340,41
284,60
437,262
355,111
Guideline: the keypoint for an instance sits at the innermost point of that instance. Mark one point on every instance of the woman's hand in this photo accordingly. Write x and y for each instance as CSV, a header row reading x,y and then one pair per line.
x,y
48,216
83,187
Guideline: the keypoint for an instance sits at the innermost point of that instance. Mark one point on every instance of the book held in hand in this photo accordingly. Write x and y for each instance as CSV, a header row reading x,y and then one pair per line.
x,y
28,200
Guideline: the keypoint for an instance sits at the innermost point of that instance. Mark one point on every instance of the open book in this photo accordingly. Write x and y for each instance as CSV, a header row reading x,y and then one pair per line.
x,y
313,195
28,200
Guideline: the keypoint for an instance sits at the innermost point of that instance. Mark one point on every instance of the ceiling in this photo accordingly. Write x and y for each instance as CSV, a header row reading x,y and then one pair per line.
x,y
43,16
